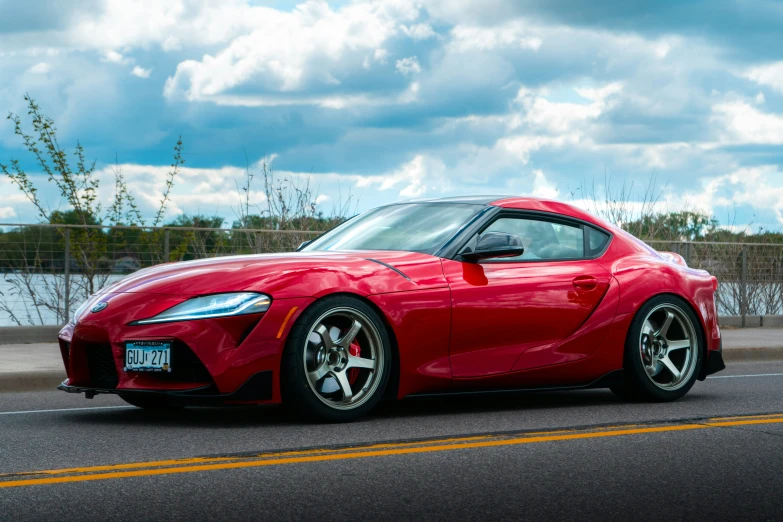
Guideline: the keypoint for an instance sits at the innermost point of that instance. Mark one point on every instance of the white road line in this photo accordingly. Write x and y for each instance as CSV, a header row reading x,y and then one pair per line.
x,y
131,407
740,376
67,409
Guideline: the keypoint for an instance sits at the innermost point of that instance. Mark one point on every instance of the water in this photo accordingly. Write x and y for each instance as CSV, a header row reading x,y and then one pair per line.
x,y
32,300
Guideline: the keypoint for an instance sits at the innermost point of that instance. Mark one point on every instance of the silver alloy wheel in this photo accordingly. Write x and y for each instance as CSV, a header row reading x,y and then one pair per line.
x,y
340,379
669,347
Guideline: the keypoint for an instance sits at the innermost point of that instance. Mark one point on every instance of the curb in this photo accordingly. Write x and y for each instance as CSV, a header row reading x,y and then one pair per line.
x,y
739,355
48,380
30,381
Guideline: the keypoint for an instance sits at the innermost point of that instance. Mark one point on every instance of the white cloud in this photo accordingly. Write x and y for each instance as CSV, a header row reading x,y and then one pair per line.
x,y
115,57
336,101
328,45
408,66
202,190
380,55
513,34
599,93
742,123
542,188
419,31
141,72
758,187
559,117
7,212
40,68
520,147
422,175
770,75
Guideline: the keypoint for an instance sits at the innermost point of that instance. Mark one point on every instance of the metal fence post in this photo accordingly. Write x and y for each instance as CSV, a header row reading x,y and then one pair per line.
x,y
687,255
67,257
166,245
744,286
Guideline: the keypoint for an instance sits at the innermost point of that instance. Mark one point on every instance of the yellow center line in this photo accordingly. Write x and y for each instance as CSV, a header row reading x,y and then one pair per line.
x,y
359,453
764,416
210,460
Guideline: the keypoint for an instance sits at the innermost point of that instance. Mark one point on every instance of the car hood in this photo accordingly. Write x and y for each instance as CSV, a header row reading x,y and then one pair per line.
x,y
295,274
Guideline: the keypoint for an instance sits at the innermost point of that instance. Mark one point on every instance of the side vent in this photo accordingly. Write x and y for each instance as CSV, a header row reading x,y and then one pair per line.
x,y
403,274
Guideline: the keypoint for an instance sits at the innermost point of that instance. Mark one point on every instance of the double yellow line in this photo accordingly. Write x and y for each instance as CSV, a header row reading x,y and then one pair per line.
x,y
194,465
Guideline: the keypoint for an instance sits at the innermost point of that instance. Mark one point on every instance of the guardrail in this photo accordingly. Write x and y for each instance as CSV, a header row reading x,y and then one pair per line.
x,y
49,269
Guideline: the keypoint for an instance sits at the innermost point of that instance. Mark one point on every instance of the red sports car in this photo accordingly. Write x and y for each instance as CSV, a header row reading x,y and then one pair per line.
x,y
448,295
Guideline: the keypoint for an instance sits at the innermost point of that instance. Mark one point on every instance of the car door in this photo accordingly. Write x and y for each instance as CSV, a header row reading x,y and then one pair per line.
x,y
504,307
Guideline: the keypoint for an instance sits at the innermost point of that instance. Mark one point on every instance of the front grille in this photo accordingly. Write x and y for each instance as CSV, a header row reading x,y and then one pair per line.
x,y
100,365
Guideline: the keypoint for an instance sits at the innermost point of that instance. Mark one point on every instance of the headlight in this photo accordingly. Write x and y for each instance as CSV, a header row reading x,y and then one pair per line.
x,y
212,306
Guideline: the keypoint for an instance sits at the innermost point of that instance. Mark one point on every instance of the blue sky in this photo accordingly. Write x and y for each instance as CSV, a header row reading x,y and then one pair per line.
x,y
393,99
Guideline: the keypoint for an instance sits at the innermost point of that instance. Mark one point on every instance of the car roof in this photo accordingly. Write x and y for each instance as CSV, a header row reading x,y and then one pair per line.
x,y
474,200
520,203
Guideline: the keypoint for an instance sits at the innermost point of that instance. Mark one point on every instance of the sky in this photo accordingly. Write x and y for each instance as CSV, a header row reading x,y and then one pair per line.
x,y
372,102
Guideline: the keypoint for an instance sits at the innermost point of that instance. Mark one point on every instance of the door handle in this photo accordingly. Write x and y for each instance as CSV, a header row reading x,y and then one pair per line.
x,y
586,282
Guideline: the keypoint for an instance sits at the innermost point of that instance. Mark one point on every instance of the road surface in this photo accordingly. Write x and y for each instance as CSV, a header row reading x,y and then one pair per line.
x,y
716,454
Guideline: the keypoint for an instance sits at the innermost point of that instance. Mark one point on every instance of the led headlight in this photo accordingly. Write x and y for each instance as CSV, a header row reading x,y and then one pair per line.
x,y
212,306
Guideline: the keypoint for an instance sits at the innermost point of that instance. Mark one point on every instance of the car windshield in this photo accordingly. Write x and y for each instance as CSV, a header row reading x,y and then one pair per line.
x,y
414,227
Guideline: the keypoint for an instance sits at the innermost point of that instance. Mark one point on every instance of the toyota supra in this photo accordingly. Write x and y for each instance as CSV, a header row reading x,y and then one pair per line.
x,y
423,297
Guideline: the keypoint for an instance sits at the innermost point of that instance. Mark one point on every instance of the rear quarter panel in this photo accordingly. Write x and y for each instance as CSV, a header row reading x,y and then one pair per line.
x,y
643,276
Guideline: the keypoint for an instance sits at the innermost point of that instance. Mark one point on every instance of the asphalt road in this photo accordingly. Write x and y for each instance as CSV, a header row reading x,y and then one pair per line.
x,y
716,454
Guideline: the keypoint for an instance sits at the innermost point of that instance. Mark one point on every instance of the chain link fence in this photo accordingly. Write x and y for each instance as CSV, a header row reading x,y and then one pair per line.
x,y
750,274
47,270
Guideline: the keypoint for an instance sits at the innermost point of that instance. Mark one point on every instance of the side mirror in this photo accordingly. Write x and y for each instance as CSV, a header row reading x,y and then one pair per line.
x,y
495,244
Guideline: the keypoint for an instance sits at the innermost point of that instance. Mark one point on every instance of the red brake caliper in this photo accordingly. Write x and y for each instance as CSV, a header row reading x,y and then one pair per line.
x,y
353,373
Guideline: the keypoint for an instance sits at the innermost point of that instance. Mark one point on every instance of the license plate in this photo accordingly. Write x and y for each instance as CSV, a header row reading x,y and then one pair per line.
x,y
148,356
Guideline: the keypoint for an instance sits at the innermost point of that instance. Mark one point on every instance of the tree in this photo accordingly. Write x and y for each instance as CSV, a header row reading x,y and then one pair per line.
x,y
674,226
43,279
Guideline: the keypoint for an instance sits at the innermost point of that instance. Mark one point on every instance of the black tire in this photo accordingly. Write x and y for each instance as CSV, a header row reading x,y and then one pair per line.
x,y
297,391
149,402
638,384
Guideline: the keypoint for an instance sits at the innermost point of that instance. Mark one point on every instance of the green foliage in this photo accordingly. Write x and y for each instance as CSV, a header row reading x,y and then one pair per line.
x,y
674,226
89,250
197,221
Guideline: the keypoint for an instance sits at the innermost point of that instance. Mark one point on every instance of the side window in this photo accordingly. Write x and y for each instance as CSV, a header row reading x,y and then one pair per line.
x,y
542,239
597,240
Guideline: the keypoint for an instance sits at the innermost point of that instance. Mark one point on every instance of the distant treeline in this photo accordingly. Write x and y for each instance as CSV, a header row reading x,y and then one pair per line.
x,y
125,250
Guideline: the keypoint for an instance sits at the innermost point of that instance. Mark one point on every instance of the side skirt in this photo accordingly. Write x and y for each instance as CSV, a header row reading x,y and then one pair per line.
x,y
612,378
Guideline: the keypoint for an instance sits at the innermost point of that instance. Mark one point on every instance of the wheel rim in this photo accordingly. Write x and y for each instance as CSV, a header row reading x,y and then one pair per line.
x,y
668,345
343,358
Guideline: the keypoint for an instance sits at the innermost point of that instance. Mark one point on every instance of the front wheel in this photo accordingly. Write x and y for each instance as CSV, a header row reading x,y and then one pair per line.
x,y
337,360
662,351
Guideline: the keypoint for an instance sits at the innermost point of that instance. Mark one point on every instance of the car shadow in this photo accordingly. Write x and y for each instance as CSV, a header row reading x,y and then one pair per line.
x,y
409,408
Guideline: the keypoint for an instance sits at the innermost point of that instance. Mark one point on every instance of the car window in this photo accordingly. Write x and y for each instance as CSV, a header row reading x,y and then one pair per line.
x,y
413,227
597,239
542,239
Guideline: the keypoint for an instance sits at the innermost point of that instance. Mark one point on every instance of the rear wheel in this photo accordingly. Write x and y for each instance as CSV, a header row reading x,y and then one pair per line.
x,y
337,360
149,402
662,351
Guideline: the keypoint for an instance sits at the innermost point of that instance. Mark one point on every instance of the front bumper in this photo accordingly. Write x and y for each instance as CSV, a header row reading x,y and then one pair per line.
x,y
256,389
213,360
